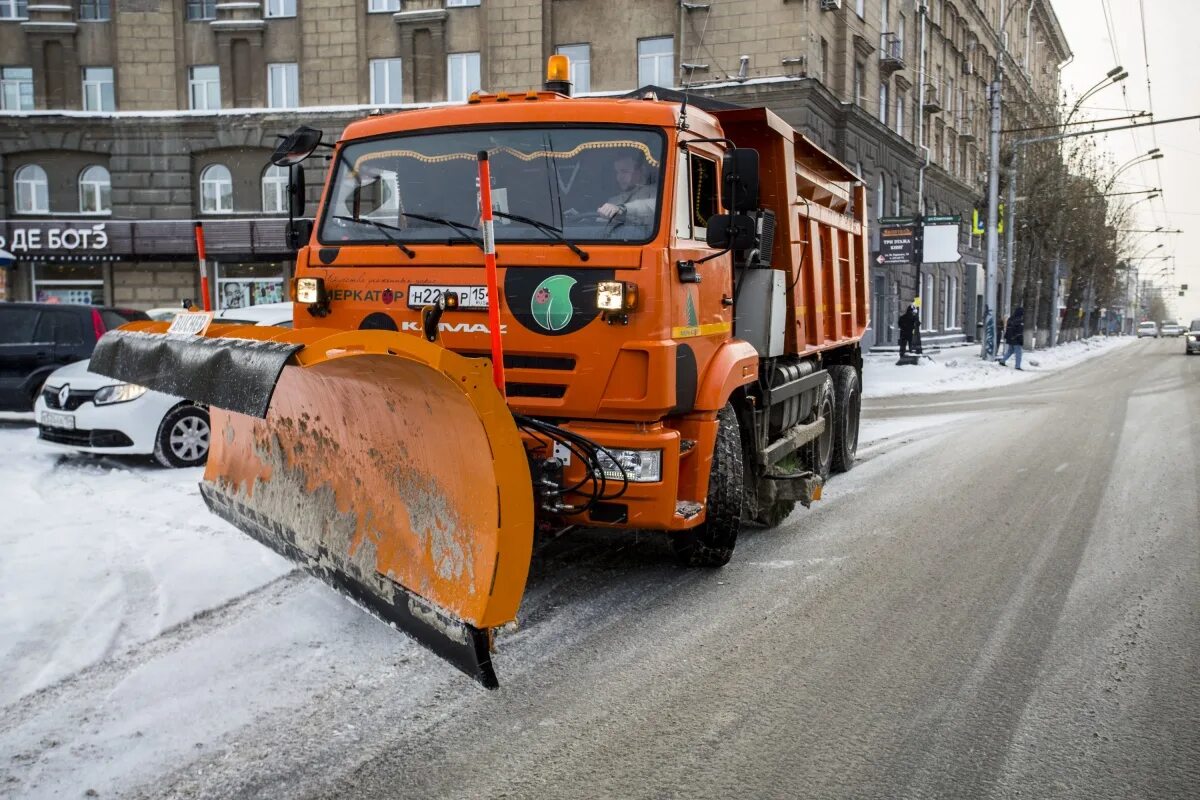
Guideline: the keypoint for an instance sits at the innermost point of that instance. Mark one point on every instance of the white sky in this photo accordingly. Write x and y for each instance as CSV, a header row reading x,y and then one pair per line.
x,y
1171,38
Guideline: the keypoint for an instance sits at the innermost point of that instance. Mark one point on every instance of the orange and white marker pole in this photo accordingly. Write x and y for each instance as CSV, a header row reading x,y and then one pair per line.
x,y
489,259
207,305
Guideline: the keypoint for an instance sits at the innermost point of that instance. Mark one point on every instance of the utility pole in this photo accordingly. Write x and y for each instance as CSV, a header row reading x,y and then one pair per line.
x,y
1010,224
988,350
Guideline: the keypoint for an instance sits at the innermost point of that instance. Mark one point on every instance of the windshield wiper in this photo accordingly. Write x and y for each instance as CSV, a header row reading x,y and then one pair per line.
x,y
382,227
461,227
549,230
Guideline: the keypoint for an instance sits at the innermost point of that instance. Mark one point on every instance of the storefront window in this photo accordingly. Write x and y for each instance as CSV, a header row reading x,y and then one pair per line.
x,y
68,283
243,285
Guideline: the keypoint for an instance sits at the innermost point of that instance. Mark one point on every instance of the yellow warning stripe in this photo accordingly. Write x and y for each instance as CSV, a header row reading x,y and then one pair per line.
x,y
688,331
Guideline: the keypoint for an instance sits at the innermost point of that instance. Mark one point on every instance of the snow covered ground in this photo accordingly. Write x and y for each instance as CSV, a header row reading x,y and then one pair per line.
x,y
136,629
960,368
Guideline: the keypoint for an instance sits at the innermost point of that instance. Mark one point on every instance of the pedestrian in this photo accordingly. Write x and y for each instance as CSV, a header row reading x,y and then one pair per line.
x,y
908,322
1014,336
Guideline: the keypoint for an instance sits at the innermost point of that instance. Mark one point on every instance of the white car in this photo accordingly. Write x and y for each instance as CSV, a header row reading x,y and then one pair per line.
x,y
80,410
1147,329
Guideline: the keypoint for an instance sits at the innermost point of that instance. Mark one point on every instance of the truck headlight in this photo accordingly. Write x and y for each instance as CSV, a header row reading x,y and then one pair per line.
x,y
641,466
120,393
310,291
616,296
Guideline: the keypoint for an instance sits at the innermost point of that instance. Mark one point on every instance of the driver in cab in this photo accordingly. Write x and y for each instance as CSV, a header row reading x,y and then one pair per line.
x,y
636,201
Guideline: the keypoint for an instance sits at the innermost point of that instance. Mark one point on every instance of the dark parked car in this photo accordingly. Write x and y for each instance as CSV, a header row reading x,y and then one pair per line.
x,y
1193,338
38,338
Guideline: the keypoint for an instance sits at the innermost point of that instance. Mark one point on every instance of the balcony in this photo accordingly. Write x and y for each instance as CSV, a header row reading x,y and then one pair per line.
x,y
932,102
891,53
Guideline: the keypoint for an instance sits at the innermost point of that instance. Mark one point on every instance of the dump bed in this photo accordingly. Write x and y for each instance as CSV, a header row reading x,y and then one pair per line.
x,y
821,233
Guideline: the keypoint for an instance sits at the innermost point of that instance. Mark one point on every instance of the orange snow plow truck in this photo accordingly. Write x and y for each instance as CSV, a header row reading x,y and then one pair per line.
x,y
652,323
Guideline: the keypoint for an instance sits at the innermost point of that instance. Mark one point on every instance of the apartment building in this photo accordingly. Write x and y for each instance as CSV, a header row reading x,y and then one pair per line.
x,y
136,117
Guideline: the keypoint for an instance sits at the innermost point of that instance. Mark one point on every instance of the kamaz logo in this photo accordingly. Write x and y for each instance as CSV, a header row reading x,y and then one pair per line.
x,y
452,327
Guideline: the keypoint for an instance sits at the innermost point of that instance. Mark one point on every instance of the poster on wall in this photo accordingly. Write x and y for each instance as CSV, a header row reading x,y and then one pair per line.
x,y
77,295
244,292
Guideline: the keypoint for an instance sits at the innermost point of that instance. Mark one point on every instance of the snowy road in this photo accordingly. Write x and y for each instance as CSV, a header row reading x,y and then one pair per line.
x,y
1002,599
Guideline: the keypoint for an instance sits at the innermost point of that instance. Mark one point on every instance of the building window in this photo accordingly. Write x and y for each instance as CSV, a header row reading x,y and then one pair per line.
x,y
461,3
462,76
16,88
896,198
379,6
883,102
858,84
274,189
879,197
580,56
201,9
32,190
204,88
900,101
216,190
386,82
14,9
860,8
824,61
98,89
95,189
281,8
95,10
283,89
656,61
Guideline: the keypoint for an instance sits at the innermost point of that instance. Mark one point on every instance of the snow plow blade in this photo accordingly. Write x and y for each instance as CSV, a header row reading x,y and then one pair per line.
x,y
387,466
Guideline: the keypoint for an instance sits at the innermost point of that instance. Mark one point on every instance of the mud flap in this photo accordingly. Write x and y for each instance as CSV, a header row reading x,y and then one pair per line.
x,y
386,466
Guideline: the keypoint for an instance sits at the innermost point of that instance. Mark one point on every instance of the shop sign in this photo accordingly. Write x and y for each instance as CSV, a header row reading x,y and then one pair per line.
x,y
40,240
896,244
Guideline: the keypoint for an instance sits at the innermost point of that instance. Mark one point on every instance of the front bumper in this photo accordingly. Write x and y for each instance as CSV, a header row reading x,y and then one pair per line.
x,y
121,428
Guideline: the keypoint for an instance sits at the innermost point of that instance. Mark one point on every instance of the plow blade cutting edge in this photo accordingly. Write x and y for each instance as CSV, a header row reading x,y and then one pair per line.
x,y
388,467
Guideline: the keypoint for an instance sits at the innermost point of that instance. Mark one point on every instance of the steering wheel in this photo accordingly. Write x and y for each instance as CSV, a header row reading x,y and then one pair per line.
x,y
590,217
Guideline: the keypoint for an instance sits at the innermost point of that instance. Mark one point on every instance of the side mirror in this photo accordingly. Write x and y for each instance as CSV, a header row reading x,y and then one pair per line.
x,y
731,232
739,179
296,196
296,146
299,231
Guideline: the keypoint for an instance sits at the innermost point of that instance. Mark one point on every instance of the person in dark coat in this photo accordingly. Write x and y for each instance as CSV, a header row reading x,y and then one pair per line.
x,y
1014,336
908,322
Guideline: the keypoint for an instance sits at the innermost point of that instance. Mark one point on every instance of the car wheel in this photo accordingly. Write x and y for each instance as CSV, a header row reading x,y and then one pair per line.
x,y
183,437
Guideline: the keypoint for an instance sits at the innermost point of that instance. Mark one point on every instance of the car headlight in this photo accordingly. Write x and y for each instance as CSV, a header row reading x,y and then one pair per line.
x,y
641,466
120,393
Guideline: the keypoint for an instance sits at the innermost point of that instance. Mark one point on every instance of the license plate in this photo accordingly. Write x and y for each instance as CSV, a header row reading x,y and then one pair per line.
x,y
52,420
468,296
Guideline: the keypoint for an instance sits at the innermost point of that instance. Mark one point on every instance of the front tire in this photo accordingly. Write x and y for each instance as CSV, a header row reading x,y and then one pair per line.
x,y
847,410
183,437
710,544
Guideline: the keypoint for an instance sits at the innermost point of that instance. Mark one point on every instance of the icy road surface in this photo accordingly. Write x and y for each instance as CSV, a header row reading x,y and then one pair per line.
x,y
1002,599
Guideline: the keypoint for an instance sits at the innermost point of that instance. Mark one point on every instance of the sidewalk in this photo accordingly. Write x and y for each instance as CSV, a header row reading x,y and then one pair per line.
x,y
960,368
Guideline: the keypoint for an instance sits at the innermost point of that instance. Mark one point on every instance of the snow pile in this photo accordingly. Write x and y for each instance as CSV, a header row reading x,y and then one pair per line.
x,y
97,555
960,368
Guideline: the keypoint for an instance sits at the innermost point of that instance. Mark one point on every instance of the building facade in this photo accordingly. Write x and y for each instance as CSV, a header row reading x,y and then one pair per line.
x,y
144,116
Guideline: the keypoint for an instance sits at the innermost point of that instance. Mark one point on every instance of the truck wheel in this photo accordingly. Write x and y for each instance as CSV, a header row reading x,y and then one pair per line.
x,y
183,437
710,544
818,454
847,396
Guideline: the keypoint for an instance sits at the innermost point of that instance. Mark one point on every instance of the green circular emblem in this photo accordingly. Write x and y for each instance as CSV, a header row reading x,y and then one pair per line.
x,y
551,303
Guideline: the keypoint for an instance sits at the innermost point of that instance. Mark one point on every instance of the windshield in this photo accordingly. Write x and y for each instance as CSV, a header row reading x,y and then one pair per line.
x,y
592,184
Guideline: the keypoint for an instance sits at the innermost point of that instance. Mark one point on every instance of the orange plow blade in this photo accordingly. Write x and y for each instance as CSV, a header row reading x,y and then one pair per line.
x,y
391,469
